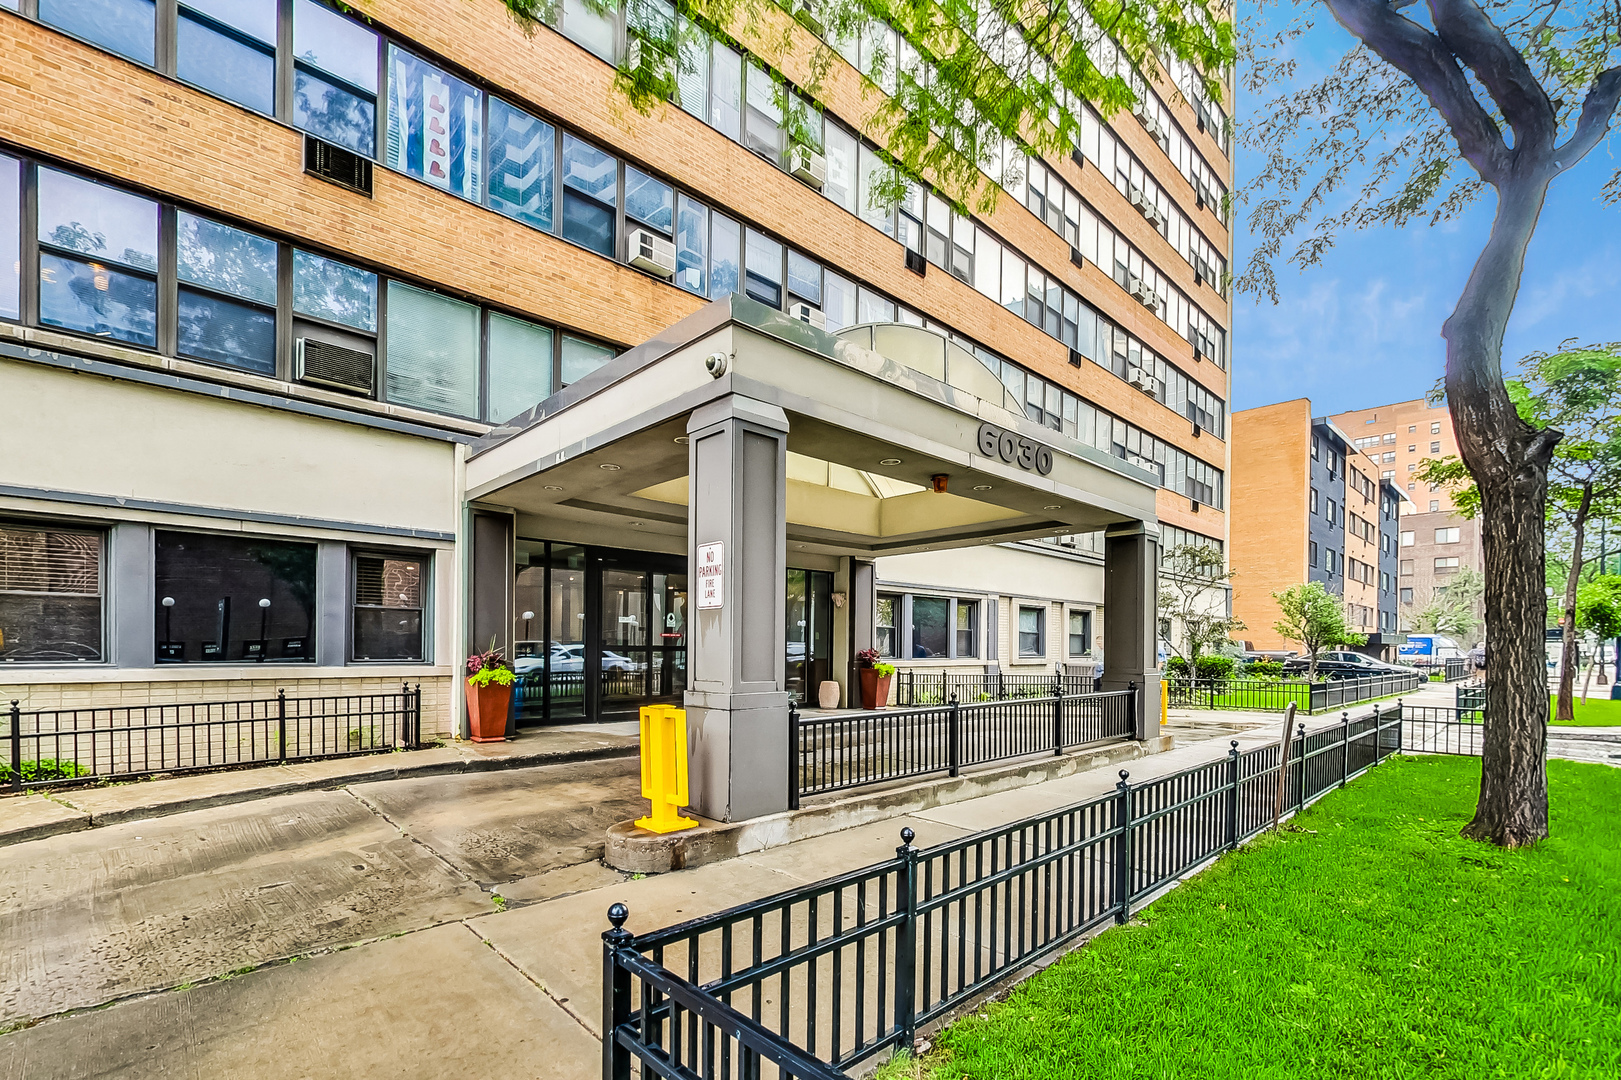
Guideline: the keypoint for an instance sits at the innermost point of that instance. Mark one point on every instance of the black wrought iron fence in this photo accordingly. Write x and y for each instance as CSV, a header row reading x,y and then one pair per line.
x,y
821,978
57,746
840,751
1470,696
1275,695
925,687
1435,729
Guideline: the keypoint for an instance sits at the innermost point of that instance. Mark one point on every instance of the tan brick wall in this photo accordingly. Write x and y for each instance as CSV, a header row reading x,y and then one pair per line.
x,y
1270,481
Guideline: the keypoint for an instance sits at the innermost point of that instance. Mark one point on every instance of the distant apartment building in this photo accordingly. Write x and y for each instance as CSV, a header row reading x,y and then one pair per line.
x,y
1308,505
1435,542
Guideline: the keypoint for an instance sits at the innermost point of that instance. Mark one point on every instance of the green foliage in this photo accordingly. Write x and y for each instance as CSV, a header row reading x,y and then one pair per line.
x,y
44,769
1214,667
1370,939
486,676
1193,580
1177,667
1598,607
884,670
1264,669
1452,610
1314,618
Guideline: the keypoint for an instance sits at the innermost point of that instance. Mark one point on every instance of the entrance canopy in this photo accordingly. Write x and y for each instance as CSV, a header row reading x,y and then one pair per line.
x,y
873,415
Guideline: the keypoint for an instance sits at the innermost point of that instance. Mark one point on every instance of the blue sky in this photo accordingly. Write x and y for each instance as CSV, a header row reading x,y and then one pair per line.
x,y
1363,328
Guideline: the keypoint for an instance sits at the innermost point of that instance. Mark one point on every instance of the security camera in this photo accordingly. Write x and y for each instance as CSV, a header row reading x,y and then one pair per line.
x,y
715,364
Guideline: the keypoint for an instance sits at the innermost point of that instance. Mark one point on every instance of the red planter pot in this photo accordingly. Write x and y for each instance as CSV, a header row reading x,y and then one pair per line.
x,y
874,688
487,712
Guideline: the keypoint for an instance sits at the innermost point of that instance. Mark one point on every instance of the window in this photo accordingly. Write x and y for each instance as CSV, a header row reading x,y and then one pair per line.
x,y
520,366
228,47
763,270
433,344
871,171
1389,437
98,259
435,126
1435,428
692,69
1446,536
581,358
50,594
691,245
334,77
1314,500
1435,506
233,598
838,302
1316,448
1388,458
591,29
126,27
649,202
762,122
930,639
1405,568
590,193
886,642
227,296
841,167
337,292
1387,474
387,619
967,643
1412,448
1435,448
1446,565
726,95
1411,428
1407,596
523,152
1080,633
726,256
10,237
1032,631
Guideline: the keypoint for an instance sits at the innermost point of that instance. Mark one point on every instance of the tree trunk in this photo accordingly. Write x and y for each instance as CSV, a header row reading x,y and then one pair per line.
x,y
1509,462
1567,652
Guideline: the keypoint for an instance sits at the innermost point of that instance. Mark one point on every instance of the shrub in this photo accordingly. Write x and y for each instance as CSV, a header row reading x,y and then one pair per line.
x,y
1264,669
1214,667
1177,667
44,769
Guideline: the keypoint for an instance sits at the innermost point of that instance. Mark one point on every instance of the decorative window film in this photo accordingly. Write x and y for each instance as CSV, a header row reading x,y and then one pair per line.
x,y
435,126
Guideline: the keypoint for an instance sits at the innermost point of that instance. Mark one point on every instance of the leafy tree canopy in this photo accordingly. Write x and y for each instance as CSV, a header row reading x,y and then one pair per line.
x,y
1314,618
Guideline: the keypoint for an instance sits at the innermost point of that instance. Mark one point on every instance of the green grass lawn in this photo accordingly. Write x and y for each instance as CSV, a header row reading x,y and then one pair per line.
x,y
1597,712
1367,941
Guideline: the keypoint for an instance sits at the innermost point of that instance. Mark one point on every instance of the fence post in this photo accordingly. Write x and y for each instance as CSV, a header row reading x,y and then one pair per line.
x,y
1300,770
615,995
906,944
1232,796
1131,709
1058,717
1345,738
416,716
281,725
793,755
1122,850
954,736
1401,723
16,746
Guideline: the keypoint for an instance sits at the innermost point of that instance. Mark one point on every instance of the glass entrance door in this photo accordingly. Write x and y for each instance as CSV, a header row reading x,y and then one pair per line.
x,y
809,609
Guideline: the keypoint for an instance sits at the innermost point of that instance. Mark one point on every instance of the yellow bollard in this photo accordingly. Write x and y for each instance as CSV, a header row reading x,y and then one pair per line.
x,y
1164,702
664,768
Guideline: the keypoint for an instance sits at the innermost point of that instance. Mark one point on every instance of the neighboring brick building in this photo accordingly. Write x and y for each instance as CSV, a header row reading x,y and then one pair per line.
x,y
1307,506
1435,542
277,264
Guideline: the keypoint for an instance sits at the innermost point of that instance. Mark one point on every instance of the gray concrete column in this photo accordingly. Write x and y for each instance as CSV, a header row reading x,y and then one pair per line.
x,y
332,603
1130,601
737,707
131,607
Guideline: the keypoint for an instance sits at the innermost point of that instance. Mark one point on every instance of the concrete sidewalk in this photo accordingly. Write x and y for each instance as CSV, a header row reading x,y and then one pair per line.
x,y
50,812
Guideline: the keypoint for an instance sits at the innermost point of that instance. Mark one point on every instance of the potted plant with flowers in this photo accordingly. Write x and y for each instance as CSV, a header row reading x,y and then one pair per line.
x,y
489,695
875,676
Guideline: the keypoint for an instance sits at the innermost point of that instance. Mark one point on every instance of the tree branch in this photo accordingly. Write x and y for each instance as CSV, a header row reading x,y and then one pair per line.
x,y
1423,58
1594,120
1464,29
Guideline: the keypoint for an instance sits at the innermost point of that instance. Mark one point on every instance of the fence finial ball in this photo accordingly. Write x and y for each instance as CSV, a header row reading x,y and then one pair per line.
x,y
907,836
617,914
1124,774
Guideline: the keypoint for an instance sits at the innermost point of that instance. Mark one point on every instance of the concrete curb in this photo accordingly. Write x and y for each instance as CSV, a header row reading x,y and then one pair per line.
x,y
638,851
75,819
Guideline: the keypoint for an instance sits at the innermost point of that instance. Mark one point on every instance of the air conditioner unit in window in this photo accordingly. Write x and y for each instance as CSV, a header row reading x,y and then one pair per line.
x,y
807,165
807,314
326,364
916,263
1197,430
337,165
1144,294
651,252
1137,377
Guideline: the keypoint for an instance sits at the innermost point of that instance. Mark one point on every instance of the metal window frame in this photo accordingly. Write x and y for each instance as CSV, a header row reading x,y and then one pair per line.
x,y
423,558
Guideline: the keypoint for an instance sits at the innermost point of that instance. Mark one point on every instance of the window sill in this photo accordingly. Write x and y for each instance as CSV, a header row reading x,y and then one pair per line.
x,y
172,673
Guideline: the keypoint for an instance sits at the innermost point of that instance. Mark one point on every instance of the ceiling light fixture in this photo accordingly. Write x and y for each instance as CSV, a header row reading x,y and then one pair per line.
x,y
553,487
1052,506
682,440
890,461
982,487
608,466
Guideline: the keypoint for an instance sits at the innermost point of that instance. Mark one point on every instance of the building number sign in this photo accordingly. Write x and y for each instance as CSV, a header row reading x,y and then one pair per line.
x,y
711,575
994,442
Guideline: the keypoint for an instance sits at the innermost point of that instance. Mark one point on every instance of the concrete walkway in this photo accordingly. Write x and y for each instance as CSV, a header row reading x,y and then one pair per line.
x,y
49,812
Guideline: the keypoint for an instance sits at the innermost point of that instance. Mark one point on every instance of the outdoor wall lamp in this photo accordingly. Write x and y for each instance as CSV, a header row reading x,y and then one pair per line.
x,y
264,624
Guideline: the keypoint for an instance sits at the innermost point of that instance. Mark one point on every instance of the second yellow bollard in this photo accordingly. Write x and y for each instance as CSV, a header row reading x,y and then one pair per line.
x,y
664,768
1164,702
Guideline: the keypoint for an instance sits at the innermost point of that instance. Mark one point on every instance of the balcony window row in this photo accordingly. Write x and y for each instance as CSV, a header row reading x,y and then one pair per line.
x,y
114,265
215,598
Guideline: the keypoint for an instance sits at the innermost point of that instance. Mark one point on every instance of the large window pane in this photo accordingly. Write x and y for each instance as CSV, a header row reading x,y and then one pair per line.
x,y
432,351
692,71
873,308
929,631
388,608
762,123
50,594
886,643
334,114
227,332
335,291
233,598
96,299
520,366
591,185
873,210
764,269
225,63
588,223
691,245
841,166
523,152
10,238
967,624
648,201
725,259
435,125
726,92
1031,632
589,29
335,87
126,27
838,302
219,257
581,358
804,277
338,46
96,220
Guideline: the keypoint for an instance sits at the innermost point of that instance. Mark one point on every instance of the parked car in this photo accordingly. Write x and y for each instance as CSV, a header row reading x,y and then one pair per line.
x,y
1344,664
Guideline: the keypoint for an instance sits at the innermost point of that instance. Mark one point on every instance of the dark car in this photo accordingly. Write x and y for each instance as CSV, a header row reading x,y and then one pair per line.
x,y
1343,664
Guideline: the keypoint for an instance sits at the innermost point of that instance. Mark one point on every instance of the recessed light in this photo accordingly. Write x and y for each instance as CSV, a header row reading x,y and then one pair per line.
x,y
1052,506
638,523
553,487
682,439
982,487
890,461
609,467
